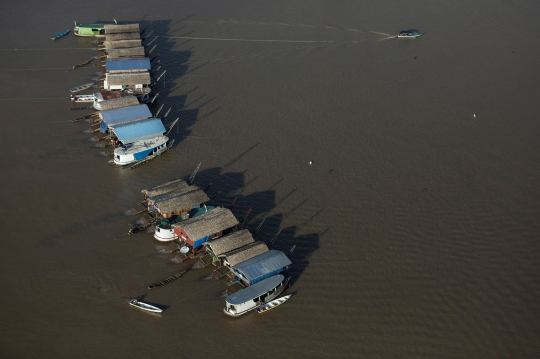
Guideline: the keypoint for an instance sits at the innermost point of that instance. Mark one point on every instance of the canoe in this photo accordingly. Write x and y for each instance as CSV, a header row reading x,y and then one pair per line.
x,y
83,98
63,33
145,306
81,88
273,303
166,281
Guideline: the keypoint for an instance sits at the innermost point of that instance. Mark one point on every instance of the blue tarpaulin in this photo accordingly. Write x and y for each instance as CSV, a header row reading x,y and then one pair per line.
x,y
140,130
263,266
123,115
128,64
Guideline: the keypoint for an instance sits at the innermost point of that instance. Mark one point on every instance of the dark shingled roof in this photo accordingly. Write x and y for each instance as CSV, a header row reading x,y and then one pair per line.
x,y
208,223
125,36
135,78
243,254
165,187
125,52
230,242
190,198
115,29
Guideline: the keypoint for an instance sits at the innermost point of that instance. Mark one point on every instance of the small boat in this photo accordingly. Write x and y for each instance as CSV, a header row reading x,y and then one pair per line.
x,y
409,34
140,150
273,303
81,88
145,306
63,33
166,281
82,98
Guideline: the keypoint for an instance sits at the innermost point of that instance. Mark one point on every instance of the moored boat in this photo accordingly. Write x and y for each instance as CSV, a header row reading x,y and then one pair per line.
x,y
82,98
273,303
81,87
254,296
145,306
140,150
89,30
59,35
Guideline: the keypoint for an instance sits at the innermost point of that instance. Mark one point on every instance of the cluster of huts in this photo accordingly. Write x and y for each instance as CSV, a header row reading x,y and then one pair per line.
x,y
194,229
123,124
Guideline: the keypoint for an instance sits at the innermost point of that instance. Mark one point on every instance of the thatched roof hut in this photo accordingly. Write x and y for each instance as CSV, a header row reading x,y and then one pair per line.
x,y
183,202
121,44
124,36
230,242
243,254
164,188
170,195
125,52
135,78
115,29
119,102
204,225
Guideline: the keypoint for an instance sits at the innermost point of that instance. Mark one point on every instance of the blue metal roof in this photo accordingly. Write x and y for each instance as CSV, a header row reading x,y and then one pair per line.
x,y
124,115
140,130
128,64
255,290
262,265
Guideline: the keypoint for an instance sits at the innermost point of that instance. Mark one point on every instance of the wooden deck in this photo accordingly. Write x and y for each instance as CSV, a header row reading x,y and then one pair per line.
x,y
234,288
206,260
139,208
221,272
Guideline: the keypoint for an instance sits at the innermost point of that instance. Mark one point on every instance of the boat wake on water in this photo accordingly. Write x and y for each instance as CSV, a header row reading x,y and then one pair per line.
x,y
174,261
162,251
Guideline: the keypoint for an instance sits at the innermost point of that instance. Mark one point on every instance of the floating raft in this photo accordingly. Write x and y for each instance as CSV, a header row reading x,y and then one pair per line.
x,y
166,281
63,33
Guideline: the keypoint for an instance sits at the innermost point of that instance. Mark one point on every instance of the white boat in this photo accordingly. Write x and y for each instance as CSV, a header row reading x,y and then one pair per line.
x,y
251,297
82,98
81,87
145,306
273,303
409,34
140,150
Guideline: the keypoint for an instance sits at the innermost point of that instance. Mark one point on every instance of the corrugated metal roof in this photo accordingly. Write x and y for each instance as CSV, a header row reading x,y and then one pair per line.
x,y
255,290
140,130
123,115
263,264
128,64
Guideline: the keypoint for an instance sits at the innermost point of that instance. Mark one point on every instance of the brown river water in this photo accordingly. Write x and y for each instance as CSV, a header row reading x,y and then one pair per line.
x,y
414,232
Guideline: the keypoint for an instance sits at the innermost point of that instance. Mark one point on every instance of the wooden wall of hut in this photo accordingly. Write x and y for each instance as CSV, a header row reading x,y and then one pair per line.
x,y
175,213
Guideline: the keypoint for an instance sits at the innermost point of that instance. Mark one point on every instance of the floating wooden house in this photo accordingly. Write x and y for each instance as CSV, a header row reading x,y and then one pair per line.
x,y
116,28
125,52
137,81
120,116
118,44
229,243
129,65
123,36
178,202
89,30
260,267
117,103
240,255
164,188
141,95
208,226
139,131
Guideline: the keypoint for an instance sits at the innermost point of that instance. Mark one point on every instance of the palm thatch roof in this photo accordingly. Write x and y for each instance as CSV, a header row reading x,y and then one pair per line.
x,y
134,78
121,44
125,52
123,36
208,223
243,254
115,29
188,199
169,196
165,187
230,242
118,103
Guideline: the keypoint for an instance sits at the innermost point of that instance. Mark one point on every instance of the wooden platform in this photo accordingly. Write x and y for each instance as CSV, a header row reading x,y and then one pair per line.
x,y
174,246
221,272
234,288
180,257
139,208
205,260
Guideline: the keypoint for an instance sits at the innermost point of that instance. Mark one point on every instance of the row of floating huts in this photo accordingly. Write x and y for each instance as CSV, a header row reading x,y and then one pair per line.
x,y
123,123
193,229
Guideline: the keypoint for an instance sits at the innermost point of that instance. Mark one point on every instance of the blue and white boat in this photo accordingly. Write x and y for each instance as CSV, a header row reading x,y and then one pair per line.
x,y
63,33
409,34
140,150
255,296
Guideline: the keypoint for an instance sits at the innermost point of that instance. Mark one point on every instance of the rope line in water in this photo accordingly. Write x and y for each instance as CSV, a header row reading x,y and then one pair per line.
x,y
44,49
49,68
253,40
33,98
189,296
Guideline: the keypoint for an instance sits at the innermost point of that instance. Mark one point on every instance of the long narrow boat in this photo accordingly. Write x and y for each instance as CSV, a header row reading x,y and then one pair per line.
x,y
166,281
83,98
63,33
273,303
145,306
81,87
